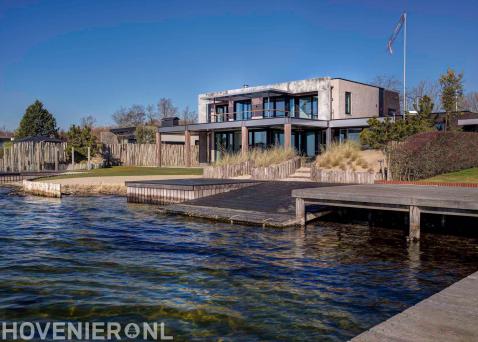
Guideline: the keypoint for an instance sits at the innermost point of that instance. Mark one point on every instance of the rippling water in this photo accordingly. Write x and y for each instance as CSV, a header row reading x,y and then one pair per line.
x,y
85,259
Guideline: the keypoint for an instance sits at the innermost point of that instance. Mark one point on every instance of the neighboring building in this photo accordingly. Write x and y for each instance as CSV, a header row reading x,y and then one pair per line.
x,y
466,120
3,140
127,135
303,114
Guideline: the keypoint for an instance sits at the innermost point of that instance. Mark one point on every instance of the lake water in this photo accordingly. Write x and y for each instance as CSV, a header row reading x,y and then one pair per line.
x,y
101,259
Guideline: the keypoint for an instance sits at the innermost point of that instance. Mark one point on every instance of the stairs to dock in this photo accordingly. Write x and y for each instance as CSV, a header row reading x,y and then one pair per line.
x,y
302,174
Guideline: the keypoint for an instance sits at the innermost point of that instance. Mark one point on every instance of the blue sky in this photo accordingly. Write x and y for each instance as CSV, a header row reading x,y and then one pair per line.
x,y
92,57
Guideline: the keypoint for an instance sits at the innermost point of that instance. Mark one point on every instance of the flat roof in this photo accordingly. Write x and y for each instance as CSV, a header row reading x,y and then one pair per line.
x,y
247,95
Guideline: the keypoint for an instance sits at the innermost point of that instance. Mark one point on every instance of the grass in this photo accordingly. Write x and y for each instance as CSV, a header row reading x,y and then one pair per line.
x,y
343,156
259,157
463,176
132,171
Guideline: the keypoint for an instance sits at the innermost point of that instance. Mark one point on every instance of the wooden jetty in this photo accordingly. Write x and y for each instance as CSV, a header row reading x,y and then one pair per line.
x,y
265,203
450,315
411,199
180,190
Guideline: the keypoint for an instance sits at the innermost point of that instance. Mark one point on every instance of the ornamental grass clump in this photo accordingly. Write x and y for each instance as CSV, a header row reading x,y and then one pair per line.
x,y
343,156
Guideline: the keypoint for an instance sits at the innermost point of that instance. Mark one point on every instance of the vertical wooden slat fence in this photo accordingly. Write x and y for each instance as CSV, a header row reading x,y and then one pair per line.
x,y
32,156
145,154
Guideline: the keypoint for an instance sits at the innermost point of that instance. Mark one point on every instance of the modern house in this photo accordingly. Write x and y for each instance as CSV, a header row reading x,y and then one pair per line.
x,y
465,120
301,114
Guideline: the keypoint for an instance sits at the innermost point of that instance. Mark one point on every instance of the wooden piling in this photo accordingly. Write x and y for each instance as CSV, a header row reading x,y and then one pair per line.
x,y
414,233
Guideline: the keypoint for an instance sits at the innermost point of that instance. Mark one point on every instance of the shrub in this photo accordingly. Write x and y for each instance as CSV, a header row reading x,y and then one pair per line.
x,y
429,154
258,157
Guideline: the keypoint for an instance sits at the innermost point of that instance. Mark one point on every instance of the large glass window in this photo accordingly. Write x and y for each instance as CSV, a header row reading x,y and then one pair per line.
x,y
260,139
348,102
243,110
308,107
274,107
221,113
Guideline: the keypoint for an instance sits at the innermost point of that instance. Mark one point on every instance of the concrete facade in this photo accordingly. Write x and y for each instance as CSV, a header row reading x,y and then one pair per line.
x,y
365,100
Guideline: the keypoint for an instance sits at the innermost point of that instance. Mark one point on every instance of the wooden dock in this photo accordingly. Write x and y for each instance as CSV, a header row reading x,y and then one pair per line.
x,y
411,199
180,190
449,316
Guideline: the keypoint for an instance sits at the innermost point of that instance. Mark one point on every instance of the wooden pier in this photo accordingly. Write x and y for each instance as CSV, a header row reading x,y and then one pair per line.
x,y
449,316
180,190
411,199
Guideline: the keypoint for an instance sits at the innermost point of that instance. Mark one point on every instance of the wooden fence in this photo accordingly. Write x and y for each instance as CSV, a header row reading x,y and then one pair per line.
x,y
33,157
146,155
345,177
227,171
278,171
272,172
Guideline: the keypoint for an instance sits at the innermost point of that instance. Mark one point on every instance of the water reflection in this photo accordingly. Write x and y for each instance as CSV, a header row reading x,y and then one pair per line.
x,y
100,258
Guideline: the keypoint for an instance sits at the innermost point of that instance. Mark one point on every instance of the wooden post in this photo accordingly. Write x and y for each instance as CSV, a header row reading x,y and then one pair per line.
x,y
158,149
56,158
187,148
73,157
38,148
414,233
244,139
287,135
300,210
89,158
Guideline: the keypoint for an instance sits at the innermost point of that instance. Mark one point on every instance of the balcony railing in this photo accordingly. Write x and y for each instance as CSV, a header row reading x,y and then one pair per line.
x,y
256,114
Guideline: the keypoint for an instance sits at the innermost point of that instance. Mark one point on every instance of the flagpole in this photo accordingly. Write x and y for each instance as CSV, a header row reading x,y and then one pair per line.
x,y
405,64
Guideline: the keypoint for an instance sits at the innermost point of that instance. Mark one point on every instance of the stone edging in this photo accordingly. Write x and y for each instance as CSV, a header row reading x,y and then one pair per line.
x,y
420,183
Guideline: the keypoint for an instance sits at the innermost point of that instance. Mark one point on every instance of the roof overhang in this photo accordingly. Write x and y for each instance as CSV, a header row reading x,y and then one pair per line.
x,y
245,94
467,122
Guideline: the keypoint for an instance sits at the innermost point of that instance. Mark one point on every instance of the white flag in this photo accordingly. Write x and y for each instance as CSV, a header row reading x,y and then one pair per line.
x,y
395,33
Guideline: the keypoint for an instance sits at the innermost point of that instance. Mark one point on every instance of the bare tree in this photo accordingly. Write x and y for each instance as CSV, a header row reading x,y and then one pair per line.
x,y
188,116
430,89
471,102
151,115
88,121
166,109
388,82
132,116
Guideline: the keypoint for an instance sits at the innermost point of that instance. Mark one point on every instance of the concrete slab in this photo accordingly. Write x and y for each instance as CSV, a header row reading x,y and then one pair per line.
x,y
450,315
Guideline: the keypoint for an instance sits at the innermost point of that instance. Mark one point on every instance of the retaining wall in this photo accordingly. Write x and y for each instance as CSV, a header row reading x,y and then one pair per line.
x,y
343,177
42,189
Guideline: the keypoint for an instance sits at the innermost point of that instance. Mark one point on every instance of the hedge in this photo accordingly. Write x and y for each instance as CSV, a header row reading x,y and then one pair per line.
x,y
429,154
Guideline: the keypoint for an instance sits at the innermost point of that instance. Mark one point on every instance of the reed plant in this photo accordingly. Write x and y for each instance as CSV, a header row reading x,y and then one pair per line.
x,y
343,156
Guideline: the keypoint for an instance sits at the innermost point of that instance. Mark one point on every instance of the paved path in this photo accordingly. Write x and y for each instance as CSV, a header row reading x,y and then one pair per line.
x,y
450,315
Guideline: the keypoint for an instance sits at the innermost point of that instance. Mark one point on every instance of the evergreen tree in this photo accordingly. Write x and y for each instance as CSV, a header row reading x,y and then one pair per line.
x,y
37,120
451,85
81,137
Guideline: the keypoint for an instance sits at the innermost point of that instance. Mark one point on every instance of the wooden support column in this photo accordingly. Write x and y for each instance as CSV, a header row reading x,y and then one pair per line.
x,y
89,158
328,137
187,148
414,233
158,149
300,210
287,135
244,139
56,158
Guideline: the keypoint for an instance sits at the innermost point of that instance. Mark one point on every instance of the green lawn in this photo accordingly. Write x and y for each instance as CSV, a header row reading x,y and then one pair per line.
x,y
463,176
133,171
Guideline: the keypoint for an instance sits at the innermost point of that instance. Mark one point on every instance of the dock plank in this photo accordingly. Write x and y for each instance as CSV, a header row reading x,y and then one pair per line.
x,y
450,315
